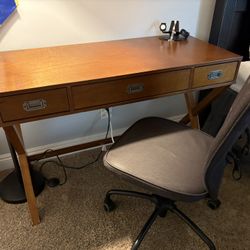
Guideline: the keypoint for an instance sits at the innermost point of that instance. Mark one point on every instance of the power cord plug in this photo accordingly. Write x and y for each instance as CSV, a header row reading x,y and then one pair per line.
x,y
53,182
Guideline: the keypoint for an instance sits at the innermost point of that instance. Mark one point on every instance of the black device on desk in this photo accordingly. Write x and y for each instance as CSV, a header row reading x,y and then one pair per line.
x,y
173,33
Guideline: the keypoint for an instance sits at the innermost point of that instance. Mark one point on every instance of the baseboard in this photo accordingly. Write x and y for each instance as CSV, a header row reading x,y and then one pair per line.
x,y
6,160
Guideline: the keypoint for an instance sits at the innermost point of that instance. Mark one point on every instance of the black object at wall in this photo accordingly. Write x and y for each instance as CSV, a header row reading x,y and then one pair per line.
x,y
231,26
11,187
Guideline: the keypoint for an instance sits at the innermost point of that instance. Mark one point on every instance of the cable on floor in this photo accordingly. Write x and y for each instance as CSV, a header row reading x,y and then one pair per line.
x,y
60,163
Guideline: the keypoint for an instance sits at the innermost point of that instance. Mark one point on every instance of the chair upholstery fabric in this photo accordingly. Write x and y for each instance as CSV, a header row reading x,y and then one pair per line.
x,y
164,154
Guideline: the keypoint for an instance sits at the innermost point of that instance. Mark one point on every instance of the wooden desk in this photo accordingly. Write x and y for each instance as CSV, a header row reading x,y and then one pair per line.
x,y
49,82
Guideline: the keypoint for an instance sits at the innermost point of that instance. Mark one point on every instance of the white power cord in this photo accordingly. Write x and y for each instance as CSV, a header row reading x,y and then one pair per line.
x,y
104,148
111,131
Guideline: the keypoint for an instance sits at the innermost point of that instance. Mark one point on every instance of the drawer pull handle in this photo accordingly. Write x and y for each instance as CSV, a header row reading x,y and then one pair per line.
x,y
34,105
135,88
215,74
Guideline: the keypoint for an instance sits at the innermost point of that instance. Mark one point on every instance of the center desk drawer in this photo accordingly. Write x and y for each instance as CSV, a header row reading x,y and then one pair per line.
x,y
23,106
214,74
118,91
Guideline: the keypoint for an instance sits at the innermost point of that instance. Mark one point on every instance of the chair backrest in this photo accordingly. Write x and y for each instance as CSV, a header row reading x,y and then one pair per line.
x,y
237,120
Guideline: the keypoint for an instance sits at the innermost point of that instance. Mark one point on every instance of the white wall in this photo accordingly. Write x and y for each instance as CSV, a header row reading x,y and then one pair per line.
x,y
41,23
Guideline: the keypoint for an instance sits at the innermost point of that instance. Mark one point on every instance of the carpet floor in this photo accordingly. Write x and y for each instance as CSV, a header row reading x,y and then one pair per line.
x,y
73,216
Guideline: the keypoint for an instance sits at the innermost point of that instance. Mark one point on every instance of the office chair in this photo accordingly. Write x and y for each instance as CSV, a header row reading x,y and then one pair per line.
x,y
175,162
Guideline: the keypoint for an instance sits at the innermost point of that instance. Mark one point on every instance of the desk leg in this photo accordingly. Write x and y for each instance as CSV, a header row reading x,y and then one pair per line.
x,y
191,103
204,103
13,133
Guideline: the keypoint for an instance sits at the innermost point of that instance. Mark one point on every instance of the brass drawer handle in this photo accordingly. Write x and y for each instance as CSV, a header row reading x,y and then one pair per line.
x,y
34,105
135,88
215,74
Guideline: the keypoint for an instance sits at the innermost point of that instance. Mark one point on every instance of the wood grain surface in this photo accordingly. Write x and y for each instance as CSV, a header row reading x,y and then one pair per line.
x,y
43,67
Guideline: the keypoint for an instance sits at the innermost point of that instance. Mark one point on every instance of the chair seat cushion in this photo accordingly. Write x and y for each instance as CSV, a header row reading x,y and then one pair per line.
x,y
164,154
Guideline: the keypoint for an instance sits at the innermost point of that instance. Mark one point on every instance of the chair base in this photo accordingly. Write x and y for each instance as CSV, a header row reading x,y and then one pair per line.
x,y
162,206
213,203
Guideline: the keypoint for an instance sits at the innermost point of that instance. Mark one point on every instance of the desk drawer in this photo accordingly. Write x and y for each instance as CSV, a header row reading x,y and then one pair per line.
x,y
23,106
214,74
124,90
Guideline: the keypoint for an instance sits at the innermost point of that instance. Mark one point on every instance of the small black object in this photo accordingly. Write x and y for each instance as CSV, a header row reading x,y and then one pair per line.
x,y
163,213
236,173
213,203
11,187
171,26
109,205
177,27
53,182
184,34
163,27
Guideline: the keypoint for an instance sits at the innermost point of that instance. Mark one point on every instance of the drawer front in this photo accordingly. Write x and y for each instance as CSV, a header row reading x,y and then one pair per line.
x,y
214,74
124,90
23,106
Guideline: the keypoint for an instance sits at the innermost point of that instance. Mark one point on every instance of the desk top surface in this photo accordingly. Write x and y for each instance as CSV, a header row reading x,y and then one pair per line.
x,y
44,67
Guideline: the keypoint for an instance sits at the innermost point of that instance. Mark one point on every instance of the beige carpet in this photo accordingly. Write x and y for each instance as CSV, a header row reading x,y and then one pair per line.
x,y
73,216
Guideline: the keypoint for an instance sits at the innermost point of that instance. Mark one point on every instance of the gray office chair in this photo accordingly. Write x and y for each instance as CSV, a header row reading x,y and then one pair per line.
x,y
175,162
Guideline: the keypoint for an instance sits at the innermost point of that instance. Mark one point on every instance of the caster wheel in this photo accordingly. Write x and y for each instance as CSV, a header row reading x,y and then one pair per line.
x,y
163,213
108,205
213,204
